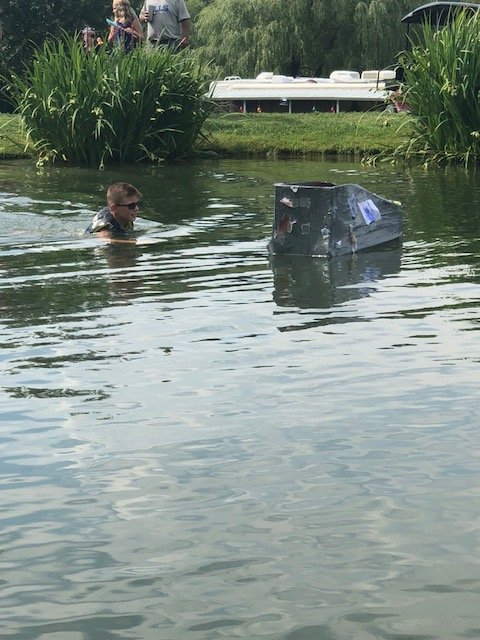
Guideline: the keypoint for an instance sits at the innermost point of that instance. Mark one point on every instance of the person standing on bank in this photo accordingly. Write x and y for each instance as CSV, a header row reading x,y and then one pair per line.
x,y
127,31
117,218
168,23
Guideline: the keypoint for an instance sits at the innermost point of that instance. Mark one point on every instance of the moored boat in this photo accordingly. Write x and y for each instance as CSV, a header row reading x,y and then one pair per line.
x,y
342,89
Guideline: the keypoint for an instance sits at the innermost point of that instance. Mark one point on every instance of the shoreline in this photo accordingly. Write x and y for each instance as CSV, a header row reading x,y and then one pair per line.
x,y
276,135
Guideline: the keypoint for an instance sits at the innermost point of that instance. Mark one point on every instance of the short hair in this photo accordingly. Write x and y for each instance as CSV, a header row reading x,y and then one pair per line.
x,y
121,190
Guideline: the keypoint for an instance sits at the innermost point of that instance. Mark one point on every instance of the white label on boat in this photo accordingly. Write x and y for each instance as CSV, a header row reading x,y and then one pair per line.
x,y
370,211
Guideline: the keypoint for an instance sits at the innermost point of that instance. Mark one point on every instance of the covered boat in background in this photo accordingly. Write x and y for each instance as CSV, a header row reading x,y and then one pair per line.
x,y
439,14
324,219
342,90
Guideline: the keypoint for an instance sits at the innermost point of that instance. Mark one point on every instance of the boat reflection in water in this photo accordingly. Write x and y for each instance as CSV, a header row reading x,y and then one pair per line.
x,y
323,284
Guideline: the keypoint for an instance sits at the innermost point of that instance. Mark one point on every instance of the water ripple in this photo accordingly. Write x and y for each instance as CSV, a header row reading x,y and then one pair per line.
x,y
198,441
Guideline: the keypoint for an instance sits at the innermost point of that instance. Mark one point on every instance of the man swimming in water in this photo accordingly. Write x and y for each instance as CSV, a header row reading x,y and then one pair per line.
x,y
117,218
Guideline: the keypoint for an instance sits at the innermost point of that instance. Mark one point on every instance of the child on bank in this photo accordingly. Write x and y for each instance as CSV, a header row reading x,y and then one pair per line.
x,y
91,42
127,31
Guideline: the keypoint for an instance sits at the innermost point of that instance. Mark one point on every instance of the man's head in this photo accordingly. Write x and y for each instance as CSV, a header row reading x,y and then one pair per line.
x,y
123,200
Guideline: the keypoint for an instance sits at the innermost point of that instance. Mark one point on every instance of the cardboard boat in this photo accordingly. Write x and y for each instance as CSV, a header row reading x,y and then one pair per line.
x,y
324,219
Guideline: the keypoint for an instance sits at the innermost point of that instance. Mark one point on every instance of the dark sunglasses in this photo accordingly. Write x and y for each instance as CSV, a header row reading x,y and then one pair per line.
x,y
130,205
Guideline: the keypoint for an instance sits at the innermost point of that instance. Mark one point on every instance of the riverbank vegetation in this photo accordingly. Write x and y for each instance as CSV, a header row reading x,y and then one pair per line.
x,y
108,107
361,135
115,115
442,76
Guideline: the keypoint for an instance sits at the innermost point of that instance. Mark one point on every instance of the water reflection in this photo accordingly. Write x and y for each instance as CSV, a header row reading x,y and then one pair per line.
x,y
173,194
311,283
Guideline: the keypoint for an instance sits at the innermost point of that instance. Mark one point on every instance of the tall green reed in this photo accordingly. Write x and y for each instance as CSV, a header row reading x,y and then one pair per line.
x,y
442,80
110,107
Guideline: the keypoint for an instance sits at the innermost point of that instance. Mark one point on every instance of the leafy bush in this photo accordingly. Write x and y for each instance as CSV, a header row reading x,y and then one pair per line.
x,y
442,79
106,107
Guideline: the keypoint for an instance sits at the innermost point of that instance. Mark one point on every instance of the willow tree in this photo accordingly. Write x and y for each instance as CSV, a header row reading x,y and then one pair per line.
x,y
227,37
309,37
286,34
248,36
357,35
194,6
377,24
335,44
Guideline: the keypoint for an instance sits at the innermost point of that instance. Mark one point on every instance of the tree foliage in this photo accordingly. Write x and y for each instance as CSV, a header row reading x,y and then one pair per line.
x,y
26,26
311,37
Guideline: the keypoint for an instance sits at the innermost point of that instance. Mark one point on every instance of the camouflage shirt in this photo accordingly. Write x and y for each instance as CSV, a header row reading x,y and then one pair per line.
x,y
104,221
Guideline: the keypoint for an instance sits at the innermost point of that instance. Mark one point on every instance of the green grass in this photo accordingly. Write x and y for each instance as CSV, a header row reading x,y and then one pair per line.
x,y
305,134
12,137
277,134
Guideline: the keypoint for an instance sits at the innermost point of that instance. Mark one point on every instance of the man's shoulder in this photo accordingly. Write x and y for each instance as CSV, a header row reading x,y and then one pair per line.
x,y
179,4
181,9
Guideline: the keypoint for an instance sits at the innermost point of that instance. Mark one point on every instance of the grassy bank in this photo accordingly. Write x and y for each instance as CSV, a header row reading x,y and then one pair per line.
x,y
305,134
12,138
275,134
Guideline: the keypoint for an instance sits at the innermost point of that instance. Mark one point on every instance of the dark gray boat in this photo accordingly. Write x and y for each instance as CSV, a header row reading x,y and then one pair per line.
x,y
324,219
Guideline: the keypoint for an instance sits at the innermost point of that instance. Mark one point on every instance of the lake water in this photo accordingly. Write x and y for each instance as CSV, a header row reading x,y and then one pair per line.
x,y
198,443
